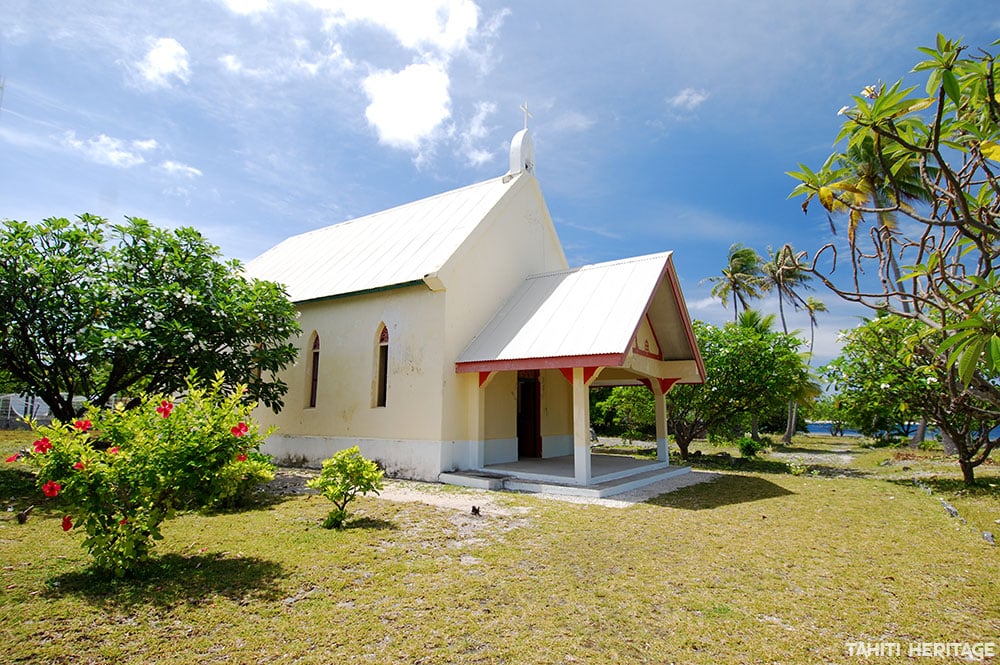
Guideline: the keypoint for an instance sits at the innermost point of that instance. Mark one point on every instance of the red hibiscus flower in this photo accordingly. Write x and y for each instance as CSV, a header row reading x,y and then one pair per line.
x,y
239,430
113,450
13,458
43,445
78,466
51,488
67,523
83,425
241,457
123,520
165,408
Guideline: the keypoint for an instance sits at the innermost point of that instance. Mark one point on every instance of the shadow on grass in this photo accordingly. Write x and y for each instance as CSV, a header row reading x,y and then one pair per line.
x,y
175,579
985,487
372,523
17,485
727,490
726,462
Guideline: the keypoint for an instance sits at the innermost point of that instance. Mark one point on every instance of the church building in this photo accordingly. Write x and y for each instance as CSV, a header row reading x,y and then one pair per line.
x,y
449,339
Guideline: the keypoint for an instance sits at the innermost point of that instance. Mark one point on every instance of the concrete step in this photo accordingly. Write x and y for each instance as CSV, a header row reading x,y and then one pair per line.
x,y
494,481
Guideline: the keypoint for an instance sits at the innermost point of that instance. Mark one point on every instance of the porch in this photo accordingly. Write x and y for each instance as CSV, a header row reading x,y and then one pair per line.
x,y
610,475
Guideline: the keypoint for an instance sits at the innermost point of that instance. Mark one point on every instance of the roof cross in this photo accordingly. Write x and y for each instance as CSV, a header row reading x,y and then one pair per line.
x,y
527,114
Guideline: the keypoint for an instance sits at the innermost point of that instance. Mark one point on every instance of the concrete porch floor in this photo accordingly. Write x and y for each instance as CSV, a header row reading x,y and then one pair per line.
x,y
610,475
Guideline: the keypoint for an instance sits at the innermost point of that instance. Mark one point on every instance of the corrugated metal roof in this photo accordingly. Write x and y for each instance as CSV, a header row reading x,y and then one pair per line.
x,y
389,248
589,311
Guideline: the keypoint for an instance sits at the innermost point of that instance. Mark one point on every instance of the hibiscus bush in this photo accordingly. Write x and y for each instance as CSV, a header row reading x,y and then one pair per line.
x,y
344,476
121,472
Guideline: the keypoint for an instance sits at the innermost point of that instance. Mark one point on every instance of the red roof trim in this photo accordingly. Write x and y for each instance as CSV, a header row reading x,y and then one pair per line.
x,y
553,362
683,310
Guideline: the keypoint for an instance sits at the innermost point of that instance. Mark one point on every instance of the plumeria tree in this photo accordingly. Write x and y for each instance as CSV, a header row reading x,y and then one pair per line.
x,y
95,309
932,156
886,378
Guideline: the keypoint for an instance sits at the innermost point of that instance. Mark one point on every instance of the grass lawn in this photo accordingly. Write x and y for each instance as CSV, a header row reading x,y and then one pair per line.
x,y
760,566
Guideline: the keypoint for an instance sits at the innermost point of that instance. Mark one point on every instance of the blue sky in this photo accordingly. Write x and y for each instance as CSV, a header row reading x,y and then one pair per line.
x,y
657,125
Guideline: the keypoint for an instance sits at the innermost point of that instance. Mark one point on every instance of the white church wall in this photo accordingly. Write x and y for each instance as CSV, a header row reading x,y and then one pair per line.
x,y
348,330
412,459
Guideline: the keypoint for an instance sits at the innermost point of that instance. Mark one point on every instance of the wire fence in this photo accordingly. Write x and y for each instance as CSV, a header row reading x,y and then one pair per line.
x,y
16,410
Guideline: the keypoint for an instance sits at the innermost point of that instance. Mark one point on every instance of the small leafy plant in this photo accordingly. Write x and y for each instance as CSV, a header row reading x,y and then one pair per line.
x,y
121,472
749,448
345,476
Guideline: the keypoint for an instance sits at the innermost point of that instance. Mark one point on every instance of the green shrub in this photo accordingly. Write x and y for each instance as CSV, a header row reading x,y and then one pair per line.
x,y
238,482
121,472
344,476
749,448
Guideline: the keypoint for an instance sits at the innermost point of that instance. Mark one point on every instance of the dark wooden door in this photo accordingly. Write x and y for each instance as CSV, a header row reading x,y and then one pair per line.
x,y
529,415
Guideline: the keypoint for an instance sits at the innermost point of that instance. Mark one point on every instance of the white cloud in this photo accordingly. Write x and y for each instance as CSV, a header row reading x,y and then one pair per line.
x,y
145,145
573,121
110,151
444,26
176,168
475,154
166,58
407,106
245,7
688,99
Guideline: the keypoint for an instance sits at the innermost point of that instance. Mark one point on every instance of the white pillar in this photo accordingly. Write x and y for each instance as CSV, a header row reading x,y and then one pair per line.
x,y
581,428
660,399
477,424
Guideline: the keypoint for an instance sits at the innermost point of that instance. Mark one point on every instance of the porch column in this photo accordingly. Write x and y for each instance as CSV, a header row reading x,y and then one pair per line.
x,y
660,400
581,428
477,421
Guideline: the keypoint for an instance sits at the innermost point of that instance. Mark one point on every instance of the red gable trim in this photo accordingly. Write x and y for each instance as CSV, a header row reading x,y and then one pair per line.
x,y
685,316
588,373
553,362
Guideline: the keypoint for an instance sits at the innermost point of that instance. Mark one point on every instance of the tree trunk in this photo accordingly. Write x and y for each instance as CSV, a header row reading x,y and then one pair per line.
x,y
754,433
968,471
948,443
920,434
790,427
682,445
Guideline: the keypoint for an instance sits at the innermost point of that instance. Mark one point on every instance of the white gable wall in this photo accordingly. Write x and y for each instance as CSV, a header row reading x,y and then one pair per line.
x,y
515,240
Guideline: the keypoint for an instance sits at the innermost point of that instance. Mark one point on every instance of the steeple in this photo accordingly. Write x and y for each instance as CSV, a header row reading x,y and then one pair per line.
x,y
522,153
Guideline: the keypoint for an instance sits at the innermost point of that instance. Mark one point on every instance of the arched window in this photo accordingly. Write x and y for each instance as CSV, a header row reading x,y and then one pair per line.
x,y
382,367
313,370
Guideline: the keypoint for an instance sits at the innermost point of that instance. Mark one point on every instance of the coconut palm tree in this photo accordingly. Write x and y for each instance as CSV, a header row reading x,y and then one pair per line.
x,y
740,279
813,305
783,273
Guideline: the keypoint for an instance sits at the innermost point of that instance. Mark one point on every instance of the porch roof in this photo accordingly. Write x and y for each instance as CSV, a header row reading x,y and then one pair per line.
x,y
588,317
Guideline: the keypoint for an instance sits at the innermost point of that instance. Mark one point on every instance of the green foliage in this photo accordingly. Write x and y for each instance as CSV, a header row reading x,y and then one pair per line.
x,y
345,476
748,447
741,278
120,472
880,386
887,376
238,482
632,408
751,370
96,310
